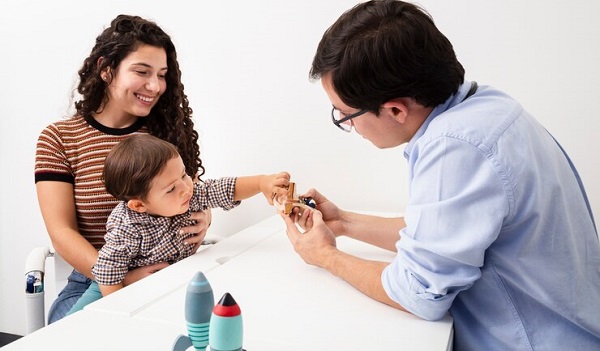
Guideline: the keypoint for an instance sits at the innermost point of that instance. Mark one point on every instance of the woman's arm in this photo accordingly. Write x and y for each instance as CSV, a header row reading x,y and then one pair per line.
x,y
57,205
109,289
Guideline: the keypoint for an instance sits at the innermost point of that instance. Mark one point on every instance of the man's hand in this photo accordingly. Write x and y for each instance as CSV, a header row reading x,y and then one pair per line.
x,y
314,245
331,214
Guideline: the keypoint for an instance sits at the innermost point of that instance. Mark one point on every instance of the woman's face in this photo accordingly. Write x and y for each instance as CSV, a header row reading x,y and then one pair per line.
x,y
137,84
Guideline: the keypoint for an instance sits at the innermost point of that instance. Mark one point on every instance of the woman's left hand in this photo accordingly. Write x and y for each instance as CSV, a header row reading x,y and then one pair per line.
x,y
203,220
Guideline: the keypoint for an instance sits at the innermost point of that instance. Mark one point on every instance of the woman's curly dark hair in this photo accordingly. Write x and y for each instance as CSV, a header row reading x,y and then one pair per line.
x,y
171,118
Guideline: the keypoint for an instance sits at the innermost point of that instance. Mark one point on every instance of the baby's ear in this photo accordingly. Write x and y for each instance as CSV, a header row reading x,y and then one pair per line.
x,y
136,205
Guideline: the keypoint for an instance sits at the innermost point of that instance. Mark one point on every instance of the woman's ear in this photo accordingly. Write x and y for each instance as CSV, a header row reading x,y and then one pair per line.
x,y
136,205
105,74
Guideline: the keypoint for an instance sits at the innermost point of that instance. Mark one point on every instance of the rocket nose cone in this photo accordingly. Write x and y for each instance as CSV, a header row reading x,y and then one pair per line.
x,y
199,283
227,307
199,276
227,300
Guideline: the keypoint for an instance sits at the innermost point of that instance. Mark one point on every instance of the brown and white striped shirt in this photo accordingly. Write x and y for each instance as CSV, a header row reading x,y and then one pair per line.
x,y
73,151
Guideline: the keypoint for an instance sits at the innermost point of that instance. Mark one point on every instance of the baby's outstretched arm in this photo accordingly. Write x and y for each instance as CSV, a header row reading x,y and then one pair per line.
x,y
271,186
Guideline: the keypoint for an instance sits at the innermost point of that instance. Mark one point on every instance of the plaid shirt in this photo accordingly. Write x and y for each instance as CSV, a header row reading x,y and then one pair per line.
x,y
136,239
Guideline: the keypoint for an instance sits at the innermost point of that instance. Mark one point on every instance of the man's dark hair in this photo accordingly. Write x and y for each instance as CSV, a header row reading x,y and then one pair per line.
x,y
381,50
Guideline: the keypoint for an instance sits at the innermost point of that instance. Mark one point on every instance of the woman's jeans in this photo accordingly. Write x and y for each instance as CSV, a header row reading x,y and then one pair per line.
x,y
77,284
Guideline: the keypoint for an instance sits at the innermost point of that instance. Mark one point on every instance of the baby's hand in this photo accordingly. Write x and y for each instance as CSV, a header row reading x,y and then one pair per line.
x,y
275,186
291,201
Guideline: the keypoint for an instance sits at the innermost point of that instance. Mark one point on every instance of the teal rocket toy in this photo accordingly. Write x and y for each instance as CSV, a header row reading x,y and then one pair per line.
x,y
226,328
199,302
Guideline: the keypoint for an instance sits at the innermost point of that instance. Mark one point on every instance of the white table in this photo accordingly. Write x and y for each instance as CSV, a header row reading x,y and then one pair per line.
x,y
286,304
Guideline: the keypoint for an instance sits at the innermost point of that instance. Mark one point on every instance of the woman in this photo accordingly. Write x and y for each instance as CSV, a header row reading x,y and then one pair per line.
x,y
129,84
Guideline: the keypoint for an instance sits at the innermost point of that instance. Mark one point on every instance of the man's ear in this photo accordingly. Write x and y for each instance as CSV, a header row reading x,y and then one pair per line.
x,y
397,109
136,205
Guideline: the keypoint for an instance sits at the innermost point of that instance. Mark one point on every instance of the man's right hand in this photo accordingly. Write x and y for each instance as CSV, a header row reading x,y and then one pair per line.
x,y
332,215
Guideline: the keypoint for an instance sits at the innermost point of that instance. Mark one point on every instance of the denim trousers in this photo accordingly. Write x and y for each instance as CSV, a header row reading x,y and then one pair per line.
x,y
77,284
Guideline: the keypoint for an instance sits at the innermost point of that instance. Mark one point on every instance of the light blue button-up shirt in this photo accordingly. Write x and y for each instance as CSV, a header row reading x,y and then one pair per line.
x,y
498,231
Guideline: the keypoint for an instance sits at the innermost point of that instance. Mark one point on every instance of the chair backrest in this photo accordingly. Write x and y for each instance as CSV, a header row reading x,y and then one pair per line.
x,y
46,275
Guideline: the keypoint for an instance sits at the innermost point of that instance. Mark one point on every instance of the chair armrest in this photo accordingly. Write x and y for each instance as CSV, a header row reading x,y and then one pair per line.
x,y
35,266
36,260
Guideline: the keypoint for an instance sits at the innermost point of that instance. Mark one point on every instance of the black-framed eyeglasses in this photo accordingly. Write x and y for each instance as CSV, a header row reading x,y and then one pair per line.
x,y
338,120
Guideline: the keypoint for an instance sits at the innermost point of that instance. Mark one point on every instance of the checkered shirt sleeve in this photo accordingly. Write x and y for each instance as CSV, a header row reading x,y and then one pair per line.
x,y
213,193
123,243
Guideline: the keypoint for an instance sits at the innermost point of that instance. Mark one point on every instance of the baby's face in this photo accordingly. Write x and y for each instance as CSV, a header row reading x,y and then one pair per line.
x,y
170,191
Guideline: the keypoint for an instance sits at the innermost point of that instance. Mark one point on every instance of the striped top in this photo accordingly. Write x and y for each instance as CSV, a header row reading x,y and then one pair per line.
x,y
73,151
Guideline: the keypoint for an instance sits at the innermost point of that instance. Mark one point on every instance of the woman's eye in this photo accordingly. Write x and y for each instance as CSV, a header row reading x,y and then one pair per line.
x,y
143,73
171,190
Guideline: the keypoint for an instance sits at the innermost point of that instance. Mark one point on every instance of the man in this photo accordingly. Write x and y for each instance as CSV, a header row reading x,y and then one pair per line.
x,y
497,232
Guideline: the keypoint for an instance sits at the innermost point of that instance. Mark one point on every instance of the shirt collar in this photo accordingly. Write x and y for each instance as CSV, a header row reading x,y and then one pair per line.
x,y
452,101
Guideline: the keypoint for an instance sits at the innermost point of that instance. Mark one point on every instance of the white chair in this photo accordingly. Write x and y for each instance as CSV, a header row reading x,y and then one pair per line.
x,y
46,275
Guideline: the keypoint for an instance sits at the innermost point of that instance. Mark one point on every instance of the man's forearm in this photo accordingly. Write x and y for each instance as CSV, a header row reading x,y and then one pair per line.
x,y
364,275
379,231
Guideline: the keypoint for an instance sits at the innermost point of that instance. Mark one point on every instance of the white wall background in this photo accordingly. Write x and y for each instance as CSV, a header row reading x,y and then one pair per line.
x,y
245,68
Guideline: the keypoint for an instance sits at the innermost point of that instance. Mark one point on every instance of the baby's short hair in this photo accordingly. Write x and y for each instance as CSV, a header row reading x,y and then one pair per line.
x,y
133,163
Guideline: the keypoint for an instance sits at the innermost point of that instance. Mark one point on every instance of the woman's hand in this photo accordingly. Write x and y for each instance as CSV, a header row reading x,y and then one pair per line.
x,y
203,220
